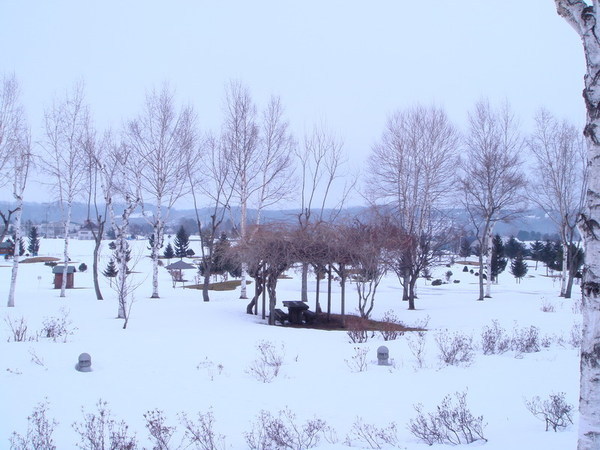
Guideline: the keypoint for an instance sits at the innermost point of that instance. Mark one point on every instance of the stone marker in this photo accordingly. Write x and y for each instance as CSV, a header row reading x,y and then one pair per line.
x,y
85,363
382,356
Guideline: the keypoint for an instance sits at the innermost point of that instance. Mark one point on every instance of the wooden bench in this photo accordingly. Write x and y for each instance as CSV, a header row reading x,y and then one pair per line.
x,y
309,316
280,316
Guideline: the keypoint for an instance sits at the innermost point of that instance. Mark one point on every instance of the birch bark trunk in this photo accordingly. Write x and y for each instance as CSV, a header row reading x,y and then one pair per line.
x,y
15,267
63,286
488,260
583,18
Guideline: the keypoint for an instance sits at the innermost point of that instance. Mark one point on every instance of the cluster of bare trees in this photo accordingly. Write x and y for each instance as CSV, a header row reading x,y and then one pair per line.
x,y
413,180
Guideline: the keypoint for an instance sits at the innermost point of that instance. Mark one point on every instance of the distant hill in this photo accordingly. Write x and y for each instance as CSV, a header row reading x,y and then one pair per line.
x,y
533,220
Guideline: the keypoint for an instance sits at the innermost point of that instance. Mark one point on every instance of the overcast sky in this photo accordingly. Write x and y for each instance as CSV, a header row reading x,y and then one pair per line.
x,y
348,63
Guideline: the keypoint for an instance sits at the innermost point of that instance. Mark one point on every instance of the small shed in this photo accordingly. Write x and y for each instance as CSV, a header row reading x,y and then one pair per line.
x,y
6,248
58,276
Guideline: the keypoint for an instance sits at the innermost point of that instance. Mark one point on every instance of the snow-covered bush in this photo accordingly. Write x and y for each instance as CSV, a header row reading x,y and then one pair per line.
x,y
389,323
526,339
284,432
99,430
416,344
270,359
494,339
39,431
367,435
451,423
160,433
555,411
201,433
437,282
455,348
358,362
59,327
18,329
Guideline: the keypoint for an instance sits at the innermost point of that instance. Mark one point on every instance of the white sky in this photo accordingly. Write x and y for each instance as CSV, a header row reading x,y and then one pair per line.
x,y
348,63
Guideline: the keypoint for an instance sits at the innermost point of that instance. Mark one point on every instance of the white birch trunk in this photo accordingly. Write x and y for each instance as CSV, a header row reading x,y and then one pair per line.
x,y
488,259
564,277
15,267
122,275
244,218
63,286
158,237
583,18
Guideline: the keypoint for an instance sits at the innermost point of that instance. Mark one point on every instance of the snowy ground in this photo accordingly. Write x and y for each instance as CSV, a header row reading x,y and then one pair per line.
x,y
168,358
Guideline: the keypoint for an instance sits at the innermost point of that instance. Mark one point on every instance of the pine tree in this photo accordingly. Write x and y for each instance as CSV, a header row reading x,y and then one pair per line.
x,y
34,241
111,270
498,257
182,242
514,248
21,244
536,250
518,267
465,248
169,253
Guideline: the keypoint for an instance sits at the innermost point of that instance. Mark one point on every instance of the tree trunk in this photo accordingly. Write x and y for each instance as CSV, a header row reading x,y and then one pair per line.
x,y
205,285
304,289
63,286
158,237
488,260
583,19
343,297
411,292
317,293
97,243
329,278
15,267
564,276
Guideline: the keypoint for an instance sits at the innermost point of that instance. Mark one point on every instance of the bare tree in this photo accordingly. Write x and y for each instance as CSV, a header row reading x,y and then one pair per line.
x,y
583,17
10,122
66,128
120,179
491,180
410,171
559,189
276,147
209,176
17,141
240,136
259,149
163,140
321,166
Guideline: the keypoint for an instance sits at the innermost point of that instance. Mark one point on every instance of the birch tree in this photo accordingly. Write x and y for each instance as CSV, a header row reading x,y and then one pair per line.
x,y
163,140
240,136
120,180
583,17
410,171
560,185
16,142
66,125
209,177
491,178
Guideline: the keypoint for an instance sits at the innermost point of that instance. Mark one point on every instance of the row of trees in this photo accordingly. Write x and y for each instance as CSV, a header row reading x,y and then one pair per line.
x,y
160,156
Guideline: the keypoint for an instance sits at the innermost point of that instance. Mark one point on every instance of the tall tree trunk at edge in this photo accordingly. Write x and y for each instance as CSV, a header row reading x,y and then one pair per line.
x,y
583,18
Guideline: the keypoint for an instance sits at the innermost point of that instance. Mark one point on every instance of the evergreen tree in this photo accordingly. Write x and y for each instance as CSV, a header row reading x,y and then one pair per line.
x,y
514,248
518,267
465,248
536,250
21,244
498,257
549,255
182,242
111,270
169,252
34,241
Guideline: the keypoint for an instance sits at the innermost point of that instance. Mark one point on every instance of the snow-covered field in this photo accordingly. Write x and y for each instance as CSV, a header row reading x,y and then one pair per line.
x,y
180,354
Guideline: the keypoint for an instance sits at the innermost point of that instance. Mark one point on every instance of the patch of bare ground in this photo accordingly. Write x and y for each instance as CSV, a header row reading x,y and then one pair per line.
x,y
353,322
37,259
